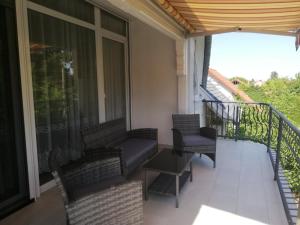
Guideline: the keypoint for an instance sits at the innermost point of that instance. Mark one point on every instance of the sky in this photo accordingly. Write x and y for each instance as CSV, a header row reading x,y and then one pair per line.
x,y
254,56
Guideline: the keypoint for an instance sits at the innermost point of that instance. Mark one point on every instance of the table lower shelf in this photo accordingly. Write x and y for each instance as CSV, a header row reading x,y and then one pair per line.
x,y
165,184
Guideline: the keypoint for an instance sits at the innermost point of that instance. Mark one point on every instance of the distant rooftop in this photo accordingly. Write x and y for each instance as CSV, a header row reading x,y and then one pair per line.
x,y
228,85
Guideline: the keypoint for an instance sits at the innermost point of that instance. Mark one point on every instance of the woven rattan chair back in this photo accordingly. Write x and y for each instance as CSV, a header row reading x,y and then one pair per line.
x,y
103,134
187,123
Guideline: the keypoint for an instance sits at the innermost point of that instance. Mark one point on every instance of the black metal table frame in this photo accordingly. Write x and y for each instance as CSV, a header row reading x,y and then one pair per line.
x,y
177,175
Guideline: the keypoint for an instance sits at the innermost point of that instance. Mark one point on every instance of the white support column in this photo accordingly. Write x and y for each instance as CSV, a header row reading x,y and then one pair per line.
x,y
199,62
181,60
191,73
195,57
27,96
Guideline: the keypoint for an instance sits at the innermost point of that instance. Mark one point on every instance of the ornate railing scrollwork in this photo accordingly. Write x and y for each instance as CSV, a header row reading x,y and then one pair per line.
x,y
262,123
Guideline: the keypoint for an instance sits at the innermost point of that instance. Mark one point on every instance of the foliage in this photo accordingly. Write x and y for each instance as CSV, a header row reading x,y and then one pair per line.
x,y
52,84
242,79
282,93
274,75
253,122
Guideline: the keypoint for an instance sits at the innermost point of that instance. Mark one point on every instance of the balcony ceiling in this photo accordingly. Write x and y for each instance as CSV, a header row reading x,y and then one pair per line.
x,y
206,17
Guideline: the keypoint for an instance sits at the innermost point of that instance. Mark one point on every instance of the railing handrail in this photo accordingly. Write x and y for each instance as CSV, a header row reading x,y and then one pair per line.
x,y
253,103
280,114
286,120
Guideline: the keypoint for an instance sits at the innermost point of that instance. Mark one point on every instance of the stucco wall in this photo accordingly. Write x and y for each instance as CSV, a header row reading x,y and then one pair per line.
x,y
153,80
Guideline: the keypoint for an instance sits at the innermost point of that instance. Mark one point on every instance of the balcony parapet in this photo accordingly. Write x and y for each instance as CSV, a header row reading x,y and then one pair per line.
x,y
262,123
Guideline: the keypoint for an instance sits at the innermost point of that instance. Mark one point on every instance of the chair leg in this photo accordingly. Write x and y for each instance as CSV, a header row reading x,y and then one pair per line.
x,y
215,160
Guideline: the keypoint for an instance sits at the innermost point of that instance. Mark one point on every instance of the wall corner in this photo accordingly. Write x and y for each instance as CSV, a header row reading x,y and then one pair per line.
x,y
182,76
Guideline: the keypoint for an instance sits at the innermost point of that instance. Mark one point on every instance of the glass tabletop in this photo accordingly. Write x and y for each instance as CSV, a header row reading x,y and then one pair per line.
x,y
169,161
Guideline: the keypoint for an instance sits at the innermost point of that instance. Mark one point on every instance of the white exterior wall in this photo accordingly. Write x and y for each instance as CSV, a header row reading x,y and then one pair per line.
x,y
159,82
153,79
195,73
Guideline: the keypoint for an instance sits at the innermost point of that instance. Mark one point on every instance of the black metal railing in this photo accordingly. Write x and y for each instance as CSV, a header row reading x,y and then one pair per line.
x,y
262,123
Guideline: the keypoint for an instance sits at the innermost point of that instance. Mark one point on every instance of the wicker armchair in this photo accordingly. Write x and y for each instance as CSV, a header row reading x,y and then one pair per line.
x,y
94,192
188,136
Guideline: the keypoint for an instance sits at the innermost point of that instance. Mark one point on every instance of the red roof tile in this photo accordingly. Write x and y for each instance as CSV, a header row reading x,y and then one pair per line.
x,y
228,85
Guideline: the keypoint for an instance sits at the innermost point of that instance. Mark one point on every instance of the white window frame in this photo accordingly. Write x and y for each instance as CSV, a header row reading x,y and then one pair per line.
x,y
104,33
22,7
27,99
123,40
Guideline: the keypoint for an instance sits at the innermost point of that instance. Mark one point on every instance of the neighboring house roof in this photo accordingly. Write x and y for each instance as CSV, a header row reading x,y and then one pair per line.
x,y
258,83
38,46
228,85
212,93
219,91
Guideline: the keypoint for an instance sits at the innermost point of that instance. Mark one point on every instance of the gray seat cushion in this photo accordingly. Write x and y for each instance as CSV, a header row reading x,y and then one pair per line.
x,y
197,140
136,149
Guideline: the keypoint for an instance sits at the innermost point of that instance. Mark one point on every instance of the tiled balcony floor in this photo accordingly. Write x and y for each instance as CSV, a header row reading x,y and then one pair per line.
x,y
240,191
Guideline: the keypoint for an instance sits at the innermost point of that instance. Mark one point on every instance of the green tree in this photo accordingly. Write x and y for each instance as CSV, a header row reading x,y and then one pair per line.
x,y
274,75
282,93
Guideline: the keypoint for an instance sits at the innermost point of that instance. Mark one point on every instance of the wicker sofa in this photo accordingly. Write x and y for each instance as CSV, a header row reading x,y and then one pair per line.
x,y
94,192
134,146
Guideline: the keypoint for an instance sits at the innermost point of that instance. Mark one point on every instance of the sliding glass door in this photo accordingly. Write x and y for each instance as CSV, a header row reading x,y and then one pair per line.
x,y
114,79
13,170
63,62
114,42
71,88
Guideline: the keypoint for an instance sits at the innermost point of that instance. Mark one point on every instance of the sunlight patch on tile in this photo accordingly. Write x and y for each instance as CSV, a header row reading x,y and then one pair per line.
x,y
212,216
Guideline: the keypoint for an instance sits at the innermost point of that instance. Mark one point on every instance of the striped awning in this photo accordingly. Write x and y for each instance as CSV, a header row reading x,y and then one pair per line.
x,y
206,17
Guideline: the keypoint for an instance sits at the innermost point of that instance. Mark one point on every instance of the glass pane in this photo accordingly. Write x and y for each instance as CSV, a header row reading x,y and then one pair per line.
x,y
113,23
64,79
76,8
8,3
114,78
13,176
8,170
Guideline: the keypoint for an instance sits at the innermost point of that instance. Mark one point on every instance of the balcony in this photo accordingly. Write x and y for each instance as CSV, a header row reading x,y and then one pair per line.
x,y
240,190
262,123
66,84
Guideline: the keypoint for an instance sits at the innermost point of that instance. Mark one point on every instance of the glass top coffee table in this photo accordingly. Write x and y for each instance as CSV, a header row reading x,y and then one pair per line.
x,y
173,175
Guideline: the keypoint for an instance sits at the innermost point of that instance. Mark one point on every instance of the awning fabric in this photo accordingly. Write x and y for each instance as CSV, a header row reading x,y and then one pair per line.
x,y
206,17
